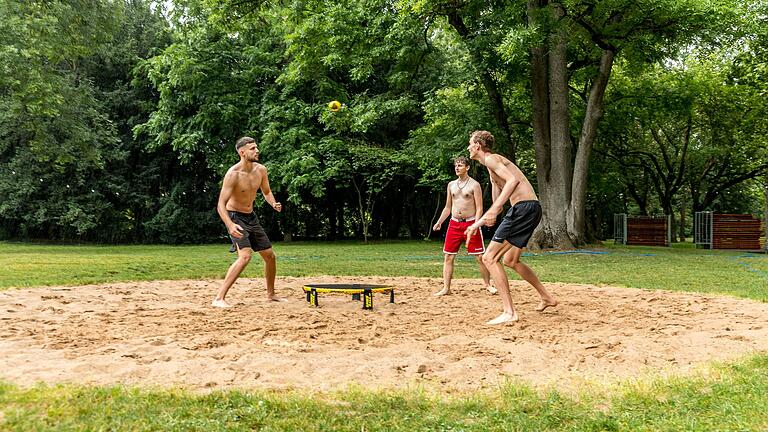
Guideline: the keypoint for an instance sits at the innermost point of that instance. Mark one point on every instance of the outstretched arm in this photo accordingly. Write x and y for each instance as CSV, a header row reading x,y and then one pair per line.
x,y
446,210
227,187
267,192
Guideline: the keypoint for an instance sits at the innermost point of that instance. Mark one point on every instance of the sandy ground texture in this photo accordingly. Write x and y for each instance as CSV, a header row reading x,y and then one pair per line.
x,y
164,333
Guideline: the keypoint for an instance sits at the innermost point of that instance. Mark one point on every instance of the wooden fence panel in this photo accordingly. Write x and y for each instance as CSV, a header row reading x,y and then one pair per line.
x,y
736,231
647,231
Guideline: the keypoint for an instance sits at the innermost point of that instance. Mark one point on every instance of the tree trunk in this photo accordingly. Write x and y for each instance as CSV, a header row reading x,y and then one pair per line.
x,y
640,199
670,212
594,112
361,210
559,185
549,94
682,220
765,212
562,182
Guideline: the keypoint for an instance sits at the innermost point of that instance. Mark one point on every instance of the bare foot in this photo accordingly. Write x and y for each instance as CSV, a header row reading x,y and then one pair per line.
x,y
504,317
220,304
275,298
545,304
442,292
491,289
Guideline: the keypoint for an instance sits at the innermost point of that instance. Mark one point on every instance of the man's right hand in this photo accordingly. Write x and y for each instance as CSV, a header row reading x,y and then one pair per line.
x,y
437,227
470,231
236,231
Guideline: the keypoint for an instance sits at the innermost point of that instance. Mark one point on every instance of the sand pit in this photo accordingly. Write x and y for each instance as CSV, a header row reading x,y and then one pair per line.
x,y
164,333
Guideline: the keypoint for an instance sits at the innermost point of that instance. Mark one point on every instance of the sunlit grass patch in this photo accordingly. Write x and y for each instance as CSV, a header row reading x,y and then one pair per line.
x,y
727,397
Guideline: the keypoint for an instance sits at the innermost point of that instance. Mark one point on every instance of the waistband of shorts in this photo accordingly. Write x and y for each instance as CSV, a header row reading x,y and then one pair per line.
x,y
463,220
241,213
527,202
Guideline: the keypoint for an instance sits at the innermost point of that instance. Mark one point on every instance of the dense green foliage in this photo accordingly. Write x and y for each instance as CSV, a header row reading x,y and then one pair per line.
x,y
118,117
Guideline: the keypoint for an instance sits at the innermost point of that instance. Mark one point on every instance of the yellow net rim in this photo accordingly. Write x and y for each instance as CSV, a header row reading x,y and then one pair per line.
x,y
348,289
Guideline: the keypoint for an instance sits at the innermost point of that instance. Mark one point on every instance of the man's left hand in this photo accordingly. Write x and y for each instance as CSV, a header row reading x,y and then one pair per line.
x,y
277,206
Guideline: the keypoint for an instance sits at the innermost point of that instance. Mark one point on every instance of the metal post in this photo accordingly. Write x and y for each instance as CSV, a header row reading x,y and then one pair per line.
x,y
624,221
703,234
696,234
669,230
620,228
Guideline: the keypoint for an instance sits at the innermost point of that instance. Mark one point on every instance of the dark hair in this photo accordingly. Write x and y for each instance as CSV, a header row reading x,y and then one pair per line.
x,y
461,159
243,141
484,138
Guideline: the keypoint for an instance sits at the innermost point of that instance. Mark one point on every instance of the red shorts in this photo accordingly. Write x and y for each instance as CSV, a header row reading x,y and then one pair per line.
x,y
455,237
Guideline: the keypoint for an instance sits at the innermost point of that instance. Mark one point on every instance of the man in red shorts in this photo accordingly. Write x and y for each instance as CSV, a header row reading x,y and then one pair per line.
x,y
464,204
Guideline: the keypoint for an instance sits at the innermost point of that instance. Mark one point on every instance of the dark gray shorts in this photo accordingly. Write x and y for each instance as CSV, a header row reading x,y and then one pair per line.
x,y
518,224
253,237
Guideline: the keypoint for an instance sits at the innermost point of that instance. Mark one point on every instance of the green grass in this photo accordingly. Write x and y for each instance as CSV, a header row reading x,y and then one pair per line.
x,y
681,268
729,397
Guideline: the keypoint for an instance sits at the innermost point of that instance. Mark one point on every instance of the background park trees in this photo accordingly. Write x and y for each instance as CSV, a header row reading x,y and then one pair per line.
x,y
118,118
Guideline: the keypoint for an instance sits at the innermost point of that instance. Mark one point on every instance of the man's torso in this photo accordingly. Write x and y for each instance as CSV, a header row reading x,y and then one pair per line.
x,y
463,198
246,185
523,192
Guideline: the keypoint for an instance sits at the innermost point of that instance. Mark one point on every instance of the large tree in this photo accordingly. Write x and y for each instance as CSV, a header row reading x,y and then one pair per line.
x,y
571,65
563,52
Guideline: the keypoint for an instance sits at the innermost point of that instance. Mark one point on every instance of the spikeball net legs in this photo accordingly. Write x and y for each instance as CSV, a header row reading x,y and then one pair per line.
x,y
312,290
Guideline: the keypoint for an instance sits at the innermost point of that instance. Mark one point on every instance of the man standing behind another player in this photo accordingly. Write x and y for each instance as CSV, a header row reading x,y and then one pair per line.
x,y
241,183
464,203
514,231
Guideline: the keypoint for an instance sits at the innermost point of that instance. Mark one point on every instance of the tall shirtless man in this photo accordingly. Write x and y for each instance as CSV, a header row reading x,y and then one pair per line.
x,y
238,191
464,204
512,235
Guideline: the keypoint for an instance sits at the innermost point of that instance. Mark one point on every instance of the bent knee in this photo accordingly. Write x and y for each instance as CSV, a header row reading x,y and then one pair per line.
x,y
488,260
510,262
269,255
245,258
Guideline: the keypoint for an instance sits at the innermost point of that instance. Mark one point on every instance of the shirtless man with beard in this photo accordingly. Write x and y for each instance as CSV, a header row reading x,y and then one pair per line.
x,y
235,207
